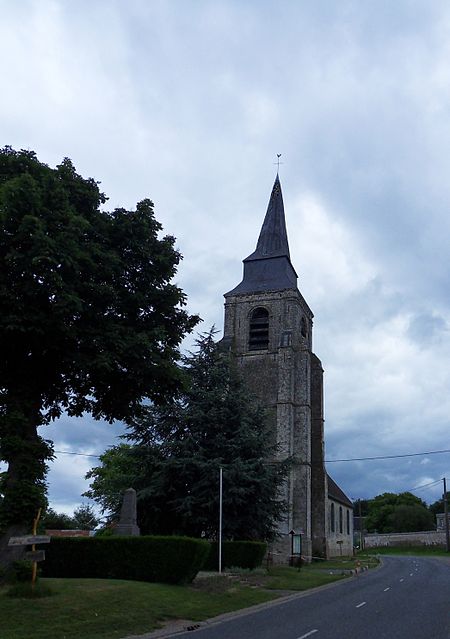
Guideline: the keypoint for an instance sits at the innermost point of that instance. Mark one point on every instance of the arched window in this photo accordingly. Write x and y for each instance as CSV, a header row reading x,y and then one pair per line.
x,y
348,522
259,330
303,328
332,525
341,522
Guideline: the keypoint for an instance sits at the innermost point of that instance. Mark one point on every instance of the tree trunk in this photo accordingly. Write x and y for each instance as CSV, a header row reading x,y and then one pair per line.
x,y
8,554
24,486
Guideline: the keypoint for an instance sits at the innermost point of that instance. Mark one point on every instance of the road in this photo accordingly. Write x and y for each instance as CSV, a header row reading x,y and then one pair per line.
x,y
407,598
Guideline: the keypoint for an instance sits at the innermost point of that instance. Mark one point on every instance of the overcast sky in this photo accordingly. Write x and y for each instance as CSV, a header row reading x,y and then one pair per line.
x,y
188,102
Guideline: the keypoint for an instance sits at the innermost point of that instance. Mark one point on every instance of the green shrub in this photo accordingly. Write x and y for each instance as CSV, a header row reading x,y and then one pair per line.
x,y
242,554
22,570
157,559
104,532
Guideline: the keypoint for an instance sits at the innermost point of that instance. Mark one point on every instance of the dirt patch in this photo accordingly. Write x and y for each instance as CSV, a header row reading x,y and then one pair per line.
x,y
215,583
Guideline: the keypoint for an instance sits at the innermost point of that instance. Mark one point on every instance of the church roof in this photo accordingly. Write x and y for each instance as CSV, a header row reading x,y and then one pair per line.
x,y
269,267
273,241
337,494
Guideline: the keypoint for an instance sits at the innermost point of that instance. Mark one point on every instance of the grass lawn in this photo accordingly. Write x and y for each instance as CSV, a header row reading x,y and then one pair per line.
x,y
108,609
100,608
285,578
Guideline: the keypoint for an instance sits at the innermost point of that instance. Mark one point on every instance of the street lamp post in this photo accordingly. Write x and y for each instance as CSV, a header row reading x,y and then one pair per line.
x,y
360,527
447,535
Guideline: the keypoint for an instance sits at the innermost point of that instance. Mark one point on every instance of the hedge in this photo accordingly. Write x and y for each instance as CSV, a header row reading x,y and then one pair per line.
x,y
240,554
172,560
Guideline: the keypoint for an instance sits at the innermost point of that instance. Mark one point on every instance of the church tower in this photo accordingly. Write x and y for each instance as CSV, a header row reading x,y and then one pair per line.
x,y
268,327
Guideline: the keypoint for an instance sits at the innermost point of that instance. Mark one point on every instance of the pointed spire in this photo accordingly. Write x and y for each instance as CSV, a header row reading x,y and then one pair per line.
x,y
269,267
273,241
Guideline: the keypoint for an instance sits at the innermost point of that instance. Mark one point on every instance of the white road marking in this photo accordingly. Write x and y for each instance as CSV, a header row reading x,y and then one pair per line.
x,y
363,603
308,634
386,589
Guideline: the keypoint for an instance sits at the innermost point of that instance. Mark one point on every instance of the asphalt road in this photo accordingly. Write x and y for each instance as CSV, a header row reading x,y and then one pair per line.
x,y
407,598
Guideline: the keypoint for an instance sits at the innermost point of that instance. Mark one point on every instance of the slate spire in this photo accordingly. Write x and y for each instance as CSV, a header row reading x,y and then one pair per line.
x,y
273,241
269,267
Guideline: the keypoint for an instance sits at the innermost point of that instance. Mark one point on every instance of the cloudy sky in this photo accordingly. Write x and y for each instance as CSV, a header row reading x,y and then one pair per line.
x,y
188,102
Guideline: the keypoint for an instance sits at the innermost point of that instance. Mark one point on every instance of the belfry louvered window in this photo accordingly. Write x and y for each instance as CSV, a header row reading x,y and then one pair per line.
x,y
259,330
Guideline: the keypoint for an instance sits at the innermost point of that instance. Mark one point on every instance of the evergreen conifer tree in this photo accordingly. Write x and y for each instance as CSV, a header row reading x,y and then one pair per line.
x,y
178,449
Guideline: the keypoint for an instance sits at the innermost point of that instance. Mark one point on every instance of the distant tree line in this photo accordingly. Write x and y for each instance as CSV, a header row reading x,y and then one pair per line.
x,y
403,512
83,518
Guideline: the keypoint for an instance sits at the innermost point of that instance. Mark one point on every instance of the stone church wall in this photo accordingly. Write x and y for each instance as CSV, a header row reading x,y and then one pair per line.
x,y
319,488
281,377
425,538
268,328
340,530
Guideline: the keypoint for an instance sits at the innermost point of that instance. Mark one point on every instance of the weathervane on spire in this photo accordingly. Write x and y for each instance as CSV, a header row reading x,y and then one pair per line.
x,y
278,162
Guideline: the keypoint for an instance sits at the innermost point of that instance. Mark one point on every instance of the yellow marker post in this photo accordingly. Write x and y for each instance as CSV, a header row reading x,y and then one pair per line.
x,y
33,548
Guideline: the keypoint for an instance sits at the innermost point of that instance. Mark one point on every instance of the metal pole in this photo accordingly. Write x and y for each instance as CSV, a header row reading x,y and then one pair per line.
x,y
447,535
220,520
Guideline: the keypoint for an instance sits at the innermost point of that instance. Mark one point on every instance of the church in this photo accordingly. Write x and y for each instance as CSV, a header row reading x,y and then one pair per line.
x,y
268,327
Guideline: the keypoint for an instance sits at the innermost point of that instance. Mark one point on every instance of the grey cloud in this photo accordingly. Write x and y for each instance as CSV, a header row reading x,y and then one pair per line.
x,y
187,103
427,329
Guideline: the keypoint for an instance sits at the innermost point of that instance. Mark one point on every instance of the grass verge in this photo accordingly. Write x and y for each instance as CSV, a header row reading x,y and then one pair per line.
x,y
285,578
108,609
101,609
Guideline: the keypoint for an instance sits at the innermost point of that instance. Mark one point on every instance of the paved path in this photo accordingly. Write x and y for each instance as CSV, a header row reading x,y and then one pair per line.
x,y
408,598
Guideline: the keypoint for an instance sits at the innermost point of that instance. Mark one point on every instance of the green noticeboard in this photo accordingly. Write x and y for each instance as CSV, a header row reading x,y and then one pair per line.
x,y
296,544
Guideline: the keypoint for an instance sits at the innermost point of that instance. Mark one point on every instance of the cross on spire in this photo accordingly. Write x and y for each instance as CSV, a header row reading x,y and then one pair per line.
x,y
278,162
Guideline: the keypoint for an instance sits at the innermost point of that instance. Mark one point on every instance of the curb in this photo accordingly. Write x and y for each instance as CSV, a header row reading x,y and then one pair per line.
x,y
187,626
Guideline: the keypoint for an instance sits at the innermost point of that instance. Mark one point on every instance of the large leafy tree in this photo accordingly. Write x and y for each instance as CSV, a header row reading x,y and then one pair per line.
x,y
56,521
90,320
178,449
404,512
85,518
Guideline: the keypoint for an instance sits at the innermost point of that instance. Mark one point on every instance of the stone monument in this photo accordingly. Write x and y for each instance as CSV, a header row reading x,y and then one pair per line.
x,y
127,524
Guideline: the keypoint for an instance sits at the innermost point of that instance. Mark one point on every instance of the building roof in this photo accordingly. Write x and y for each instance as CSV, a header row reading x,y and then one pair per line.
x,y
337,494
68,533
273,240
269,267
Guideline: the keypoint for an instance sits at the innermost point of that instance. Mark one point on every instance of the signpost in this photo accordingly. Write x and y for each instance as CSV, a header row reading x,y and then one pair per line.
x,y
31,540
35,555
28,540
